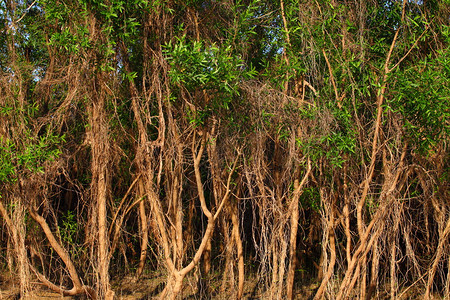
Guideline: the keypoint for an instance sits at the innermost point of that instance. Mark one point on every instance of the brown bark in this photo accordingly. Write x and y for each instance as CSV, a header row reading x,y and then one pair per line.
x,y
240,252
100,158
78,287
332,247
275,271
294,211
374,271
19,82
363,246
144,166
116,222
17,230
363,283
437,258
393,254
174,286
292,250
181,274
380,101
228,274
376,225
346,211
103,241
98,139
447,282
143,234
207,259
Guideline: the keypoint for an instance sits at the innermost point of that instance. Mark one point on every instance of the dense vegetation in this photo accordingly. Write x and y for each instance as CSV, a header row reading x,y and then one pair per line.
x,y
292,141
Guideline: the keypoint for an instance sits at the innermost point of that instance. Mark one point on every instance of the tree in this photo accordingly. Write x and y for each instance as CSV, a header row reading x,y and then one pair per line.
x,y
293,141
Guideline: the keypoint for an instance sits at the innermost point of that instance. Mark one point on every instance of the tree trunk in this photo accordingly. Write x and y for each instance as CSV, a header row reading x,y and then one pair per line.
x,y
292,250
240,254
17,230
100,182
144,234
332,246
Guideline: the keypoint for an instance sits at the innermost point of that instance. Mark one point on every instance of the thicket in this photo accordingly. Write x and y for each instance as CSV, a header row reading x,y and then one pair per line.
x,y
293,141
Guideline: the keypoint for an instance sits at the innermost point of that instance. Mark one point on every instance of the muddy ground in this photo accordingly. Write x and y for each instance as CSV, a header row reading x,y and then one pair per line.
x,y
151,285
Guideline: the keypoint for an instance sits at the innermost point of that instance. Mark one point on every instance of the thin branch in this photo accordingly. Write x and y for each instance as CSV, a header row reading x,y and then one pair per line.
x,y
225,197
26,11
63,254
122,202
306,83
198,178
409,51
332,79
61,289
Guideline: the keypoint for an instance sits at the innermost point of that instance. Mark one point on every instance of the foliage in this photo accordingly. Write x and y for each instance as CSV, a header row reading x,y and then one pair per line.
x,y
197,66
149,103
16,159
421,96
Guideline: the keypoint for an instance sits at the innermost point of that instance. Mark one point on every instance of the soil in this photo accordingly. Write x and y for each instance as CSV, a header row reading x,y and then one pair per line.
x,y
151,285
148,287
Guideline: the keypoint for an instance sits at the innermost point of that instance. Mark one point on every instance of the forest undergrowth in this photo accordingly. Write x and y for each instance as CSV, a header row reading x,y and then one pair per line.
x,y
248,149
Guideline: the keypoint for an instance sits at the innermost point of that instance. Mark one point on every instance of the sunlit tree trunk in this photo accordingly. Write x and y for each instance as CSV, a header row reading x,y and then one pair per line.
x,y
239,251
143,225
100,148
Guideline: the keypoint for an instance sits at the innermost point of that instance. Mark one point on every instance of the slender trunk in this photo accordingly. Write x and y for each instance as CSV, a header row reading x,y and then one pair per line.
x,y
173,291
178,285
19,233
240,255
294,209
447,282
207,259
227,276
179,275
363,285
320,267
332,245
100,182
144,233
188,233
203,280
392,271
374,271
376,225
63,254
348,236
17,229
292,248
103,242
179,220
378,125
9,248
393,257
438,256
275,269
330,269
142,161
78,287
282,266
